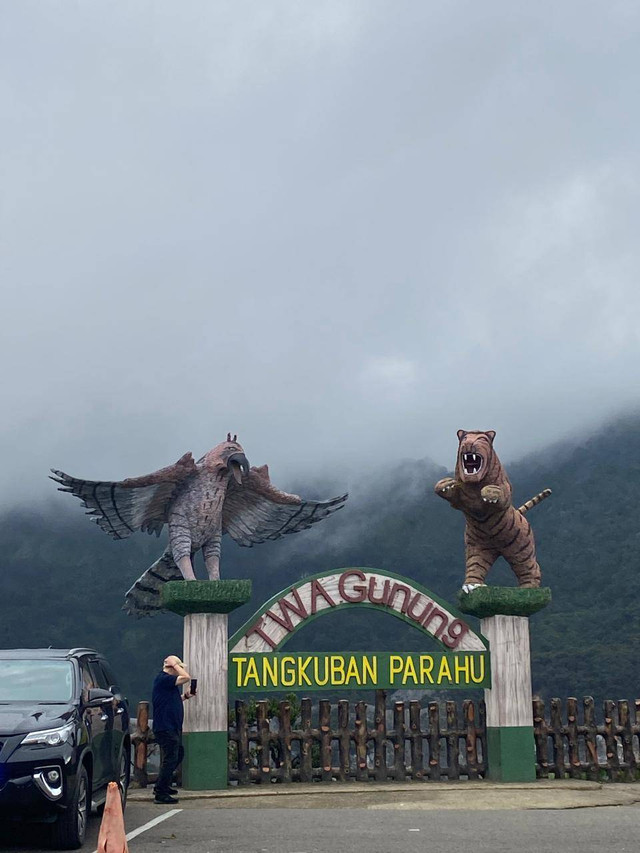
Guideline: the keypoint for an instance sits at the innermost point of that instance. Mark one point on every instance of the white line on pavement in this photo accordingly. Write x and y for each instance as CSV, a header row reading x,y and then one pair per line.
x,y
150,824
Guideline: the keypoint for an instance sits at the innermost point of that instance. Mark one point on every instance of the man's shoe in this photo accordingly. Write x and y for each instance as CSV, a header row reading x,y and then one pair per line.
x,y
165,800
166,791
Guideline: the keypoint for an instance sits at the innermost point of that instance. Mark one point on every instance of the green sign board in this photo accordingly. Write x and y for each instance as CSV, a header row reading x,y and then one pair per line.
x,y
257,672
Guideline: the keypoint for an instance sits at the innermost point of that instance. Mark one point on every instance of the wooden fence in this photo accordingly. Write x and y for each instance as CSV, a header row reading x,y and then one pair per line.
x,y
583,748
440,741
407,741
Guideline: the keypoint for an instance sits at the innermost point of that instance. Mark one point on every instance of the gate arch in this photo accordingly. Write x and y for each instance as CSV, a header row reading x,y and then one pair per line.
x,y
284,614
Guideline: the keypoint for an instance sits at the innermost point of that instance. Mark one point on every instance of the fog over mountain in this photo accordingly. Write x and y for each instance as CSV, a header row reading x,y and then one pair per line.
x,y
341,229
62,580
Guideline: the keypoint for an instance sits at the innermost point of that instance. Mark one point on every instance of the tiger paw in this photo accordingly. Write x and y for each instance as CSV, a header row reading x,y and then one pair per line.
x,y
445,486
467,587
491,494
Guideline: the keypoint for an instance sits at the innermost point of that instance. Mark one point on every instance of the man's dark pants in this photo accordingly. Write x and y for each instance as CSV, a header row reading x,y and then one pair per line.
x,y
171,754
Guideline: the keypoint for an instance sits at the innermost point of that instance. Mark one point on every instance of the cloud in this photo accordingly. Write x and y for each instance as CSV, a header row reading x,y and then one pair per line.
x,y
390,374
320,226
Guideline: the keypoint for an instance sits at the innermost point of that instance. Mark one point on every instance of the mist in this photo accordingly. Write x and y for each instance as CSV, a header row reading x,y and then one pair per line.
x,y
342,230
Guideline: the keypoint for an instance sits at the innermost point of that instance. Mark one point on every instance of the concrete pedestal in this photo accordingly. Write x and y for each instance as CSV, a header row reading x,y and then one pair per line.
x,y
205,605
505,612
510,743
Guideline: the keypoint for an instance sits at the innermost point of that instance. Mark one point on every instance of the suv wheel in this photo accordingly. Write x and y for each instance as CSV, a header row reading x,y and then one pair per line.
x,y
69,831
125,773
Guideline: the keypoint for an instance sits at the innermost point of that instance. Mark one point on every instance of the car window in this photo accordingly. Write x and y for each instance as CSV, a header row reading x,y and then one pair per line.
x,y
36,680
98,675
87,680
111,678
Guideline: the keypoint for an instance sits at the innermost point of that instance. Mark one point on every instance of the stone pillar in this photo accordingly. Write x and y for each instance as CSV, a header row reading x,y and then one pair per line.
x,y
204,606
505,612
510,743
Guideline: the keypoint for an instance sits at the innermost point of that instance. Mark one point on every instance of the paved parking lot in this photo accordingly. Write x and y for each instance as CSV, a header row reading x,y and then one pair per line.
x,y
383,821
202,829
33,838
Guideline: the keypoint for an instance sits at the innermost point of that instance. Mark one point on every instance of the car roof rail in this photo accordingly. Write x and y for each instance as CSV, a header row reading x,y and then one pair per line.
x,y
82,650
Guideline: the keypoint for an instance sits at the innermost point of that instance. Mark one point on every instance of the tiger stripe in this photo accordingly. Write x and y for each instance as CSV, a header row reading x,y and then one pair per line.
x,y
535,500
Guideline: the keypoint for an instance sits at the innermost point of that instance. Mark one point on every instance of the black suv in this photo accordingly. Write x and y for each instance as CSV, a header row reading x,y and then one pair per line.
x,y
64,735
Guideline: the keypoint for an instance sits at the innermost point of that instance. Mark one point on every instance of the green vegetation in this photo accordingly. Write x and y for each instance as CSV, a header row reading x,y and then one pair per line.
x,y
220,596
62,581
509,601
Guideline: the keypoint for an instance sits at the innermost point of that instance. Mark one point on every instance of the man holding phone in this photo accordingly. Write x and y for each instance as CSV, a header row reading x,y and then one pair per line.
x,y
168,717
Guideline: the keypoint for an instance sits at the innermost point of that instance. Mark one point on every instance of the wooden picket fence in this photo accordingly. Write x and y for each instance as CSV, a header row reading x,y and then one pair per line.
x,y
583,748
442,740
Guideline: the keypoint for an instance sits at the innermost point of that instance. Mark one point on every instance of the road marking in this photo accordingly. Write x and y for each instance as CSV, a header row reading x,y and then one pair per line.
x,y
150,824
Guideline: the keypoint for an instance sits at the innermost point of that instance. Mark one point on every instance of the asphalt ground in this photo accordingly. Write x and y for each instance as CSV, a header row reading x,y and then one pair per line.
x,y
383,819
203,830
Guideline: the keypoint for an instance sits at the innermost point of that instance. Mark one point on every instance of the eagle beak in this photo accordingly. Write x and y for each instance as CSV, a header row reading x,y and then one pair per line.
x,y
238,465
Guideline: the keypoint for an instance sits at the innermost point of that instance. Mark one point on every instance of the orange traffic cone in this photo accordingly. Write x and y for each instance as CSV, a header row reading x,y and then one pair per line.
x,y
112,837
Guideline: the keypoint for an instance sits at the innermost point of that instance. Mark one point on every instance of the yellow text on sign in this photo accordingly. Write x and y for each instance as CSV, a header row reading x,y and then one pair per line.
x,y
303,671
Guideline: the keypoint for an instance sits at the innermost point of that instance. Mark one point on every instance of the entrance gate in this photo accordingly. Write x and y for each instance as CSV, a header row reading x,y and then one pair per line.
x,y
294,740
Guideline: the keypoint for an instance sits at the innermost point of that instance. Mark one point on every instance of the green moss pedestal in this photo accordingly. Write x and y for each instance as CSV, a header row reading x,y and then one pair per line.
x,y
205,606
505,612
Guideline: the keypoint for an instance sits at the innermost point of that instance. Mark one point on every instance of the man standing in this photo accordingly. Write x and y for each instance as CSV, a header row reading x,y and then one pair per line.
x,y
168,716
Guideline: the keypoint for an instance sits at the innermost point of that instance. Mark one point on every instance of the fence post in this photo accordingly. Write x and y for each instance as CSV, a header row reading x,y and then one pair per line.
x,y
284,738
626,734
380,736
362,771
344,741
434,741
610,731
591,738
471,738
140,741
399,767
453,745
540,736
306,744
242,742
324,720
417,771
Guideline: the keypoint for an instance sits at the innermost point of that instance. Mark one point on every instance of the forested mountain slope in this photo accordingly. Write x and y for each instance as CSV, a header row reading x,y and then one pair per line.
x,y
62,581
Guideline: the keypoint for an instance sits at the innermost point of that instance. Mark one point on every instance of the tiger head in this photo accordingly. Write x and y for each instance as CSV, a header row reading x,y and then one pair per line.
x,y
476,456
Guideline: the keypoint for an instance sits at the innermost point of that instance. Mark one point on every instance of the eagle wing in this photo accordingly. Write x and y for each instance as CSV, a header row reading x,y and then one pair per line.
x,y
138,503
255,510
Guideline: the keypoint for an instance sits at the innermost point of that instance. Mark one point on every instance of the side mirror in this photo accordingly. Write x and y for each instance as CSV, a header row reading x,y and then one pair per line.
x,y
99,697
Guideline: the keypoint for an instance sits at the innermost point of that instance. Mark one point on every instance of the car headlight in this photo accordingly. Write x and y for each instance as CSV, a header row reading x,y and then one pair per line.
x,y
52,737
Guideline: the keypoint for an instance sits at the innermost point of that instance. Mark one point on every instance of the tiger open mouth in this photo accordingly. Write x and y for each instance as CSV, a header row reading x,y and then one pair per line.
x,y
471,462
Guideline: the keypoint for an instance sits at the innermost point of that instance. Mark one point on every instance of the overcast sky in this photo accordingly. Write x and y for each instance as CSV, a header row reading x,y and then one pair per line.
x,y
342,229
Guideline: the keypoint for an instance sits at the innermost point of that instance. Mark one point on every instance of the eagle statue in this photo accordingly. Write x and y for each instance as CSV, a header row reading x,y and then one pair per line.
x,y
199,502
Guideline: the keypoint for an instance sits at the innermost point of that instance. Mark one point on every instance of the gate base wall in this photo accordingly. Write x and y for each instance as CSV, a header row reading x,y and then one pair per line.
x,y
511,752
204,767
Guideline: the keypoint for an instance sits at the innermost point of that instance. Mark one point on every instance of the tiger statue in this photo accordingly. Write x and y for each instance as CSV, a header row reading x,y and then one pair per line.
x,y
494,527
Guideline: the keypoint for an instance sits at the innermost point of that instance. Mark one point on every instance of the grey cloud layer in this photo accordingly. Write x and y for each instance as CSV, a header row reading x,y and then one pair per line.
x,y
341,229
